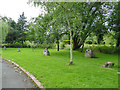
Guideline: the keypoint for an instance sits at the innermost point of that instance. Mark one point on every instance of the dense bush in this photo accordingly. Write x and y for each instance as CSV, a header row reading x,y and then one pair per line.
x,y
66,41
108,49
105,49
28,44
88,42
14,45
62,45
95,42
44,45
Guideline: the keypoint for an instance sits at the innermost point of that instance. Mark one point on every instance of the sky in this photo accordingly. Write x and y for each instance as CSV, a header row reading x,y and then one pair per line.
x,y
14,8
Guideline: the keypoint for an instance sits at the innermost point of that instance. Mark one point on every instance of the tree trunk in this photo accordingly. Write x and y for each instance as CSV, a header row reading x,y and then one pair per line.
x,y
118,42
57,42
82,47
58,46
71,55
22,43
76,44
69,28
99,38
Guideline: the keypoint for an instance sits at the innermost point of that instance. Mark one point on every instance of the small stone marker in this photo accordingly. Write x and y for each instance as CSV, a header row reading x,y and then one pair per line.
x,y
18,50
108,65
4,47
46,52
89,54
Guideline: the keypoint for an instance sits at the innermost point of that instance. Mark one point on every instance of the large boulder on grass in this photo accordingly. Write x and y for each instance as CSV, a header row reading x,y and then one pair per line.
x,y
89,54
46,52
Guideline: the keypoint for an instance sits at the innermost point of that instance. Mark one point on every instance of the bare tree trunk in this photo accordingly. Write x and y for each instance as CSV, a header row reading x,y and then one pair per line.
x,y
71,55
69,27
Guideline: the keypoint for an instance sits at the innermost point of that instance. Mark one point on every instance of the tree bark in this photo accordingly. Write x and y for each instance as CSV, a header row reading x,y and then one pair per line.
x,y
71,55
58,46
118,42
69,28
22,43
76,44
57,42
99,38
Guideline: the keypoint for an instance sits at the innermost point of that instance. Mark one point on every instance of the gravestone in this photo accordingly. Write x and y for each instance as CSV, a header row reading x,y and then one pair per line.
x,y
89,54
18,50
4,47
46,52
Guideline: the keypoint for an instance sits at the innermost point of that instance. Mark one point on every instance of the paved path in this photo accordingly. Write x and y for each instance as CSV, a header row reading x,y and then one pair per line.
x,y
12,77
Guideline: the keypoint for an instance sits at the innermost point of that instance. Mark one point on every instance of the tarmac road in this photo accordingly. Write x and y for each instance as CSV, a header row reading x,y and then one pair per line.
x,y
12,77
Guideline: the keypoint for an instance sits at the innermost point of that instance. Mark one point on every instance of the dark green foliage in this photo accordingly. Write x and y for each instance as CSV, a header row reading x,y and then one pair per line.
x,y
16,31
66,41
16,45
95,42
107,49
21,28
88,42
12,34
62,45
44,45
77,18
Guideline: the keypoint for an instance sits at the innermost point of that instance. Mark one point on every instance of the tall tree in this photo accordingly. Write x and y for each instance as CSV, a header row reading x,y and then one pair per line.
x,y
57,29
21,27
4,29
11,36
64,12
76,17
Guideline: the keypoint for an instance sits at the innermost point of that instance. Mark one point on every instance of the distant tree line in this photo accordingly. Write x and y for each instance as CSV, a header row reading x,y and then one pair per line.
x,y
77,20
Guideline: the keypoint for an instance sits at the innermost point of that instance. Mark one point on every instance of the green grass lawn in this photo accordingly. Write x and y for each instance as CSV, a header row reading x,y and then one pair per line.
x,y
52,71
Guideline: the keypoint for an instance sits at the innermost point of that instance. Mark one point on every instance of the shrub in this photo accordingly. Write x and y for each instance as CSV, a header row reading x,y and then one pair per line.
x,y
88,42
62,45
14,45
66,41
95,42
44,45
107,49
104,49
